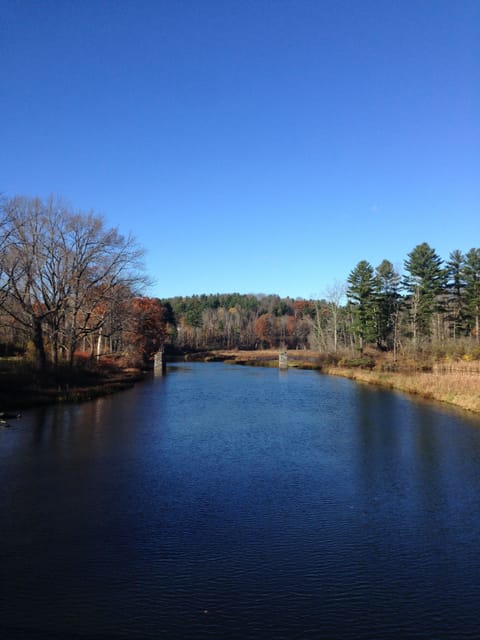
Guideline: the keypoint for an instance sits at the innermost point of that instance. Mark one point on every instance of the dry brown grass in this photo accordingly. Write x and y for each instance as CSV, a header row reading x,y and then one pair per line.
x,y
458,367
459,389
269,354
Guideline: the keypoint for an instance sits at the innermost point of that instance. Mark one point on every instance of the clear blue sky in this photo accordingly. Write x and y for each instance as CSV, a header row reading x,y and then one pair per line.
x,y
252,146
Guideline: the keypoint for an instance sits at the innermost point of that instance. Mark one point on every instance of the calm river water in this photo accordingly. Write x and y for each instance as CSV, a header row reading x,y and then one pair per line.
x,y
241,502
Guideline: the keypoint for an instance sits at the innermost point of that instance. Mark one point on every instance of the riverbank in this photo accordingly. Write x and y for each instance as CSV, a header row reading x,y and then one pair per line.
x,y
22,388
459,389
453,383
456,384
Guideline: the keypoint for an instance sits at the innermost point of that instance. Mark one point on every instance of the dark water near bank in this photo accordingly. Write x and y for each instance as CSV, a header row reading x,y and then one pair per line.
x,y
238,502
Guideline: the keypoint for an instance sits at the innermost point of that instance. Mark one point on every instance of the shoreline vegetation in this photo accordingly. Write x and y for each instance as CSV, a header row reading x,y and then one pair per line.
x,y
22,387
456,383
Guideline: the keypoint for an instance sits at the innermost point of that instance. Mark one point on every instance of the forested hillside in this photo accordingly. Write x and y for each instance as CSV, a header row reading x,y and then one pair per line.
x,y
433,305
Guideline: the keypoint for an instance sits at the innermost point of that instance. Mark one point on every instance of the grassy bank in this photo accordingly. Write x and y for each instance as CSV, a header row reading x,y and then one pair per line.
x,y
458,389
455,383
261,358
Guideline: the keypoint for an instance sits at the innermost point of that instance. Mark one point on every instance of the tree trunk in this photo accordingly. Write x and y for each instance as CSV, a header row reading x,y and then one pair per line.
x,y
335,322
99,343
40,357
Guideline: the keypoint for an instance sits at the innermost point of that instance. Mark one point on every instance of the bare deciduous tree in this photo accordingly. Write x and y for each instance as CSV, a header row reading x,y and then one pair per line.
x,y
61,272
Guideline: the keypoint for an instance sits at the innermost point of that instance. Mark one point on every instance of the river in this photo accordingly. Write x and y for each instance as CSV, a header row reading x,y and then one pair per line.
x,y
239,502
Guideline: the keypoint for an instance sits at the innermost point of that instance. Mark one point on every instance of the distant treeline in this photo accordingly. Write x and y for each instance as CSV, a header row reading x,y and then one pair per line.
x,y
433,304
231,321
70,288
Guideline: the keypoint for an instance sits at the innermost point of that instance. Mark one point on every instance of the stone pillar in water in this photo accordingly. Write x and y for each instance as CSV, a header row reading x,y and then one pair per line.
x,y
282,360
159,363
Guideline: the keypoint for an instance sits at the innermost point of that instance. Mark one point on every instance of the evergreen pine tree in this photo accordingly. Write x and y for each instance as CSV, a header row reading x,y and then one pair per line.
x,y
471,274
388,299
361,294
424,282
455,286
